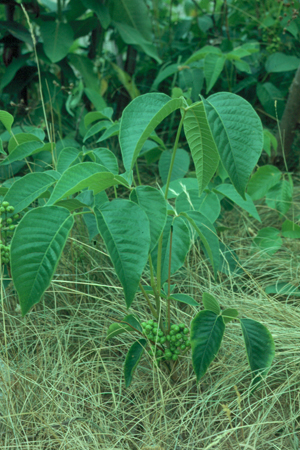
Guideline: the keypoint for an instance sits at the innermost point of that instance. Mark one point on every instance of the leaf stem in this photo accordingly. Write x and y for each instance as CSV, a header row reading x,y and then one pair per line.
x,y
148,301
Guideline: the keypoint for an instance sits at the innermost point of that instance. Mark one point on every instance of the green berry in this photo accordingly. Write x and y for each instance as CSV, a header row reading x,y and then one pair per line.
x,y
163,339
183,347
172,326
148,328
181,325
185,338
160,333
168,337
9,221
150,322
173,339
159,353
177,352
154,331
178,336
188,343
151,337
144,324
175,357
2,209
177,328
5,204
16,216
12,227
10,209
186,331
172,332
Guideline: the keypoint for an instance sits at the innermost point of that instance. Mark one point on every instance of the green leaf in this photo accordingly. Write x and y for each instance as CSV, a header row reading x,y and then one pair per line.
x,y
107,159
280,196
207,329
229,192
229,315
290,230
180,246
17,30
269,139
201,143
12,69
208,203
101,11
68,156
7,120
184,298
81,176
268,94
128,324
112,130
96,128
125,229
213,66
22,151
71,204
36,248
181,185
132,359
268,240
93,93
207,234
264,179
132,36
28,188
127,81
238,134
58,38
280,62
94,116
154,204
210,303
20,138
200,54
260,347
163,74
139,120
283,289
180,167
133,13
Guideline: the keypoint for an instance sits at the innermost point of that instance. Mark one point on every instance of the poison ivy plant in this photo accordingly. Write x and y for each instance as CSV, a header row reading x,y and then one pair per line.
x,y
143,229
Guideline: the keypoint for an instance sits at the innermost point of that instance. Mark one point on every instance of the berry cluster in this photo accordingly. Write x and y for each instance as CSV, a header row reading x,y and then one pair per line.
x,y
7,227
167,347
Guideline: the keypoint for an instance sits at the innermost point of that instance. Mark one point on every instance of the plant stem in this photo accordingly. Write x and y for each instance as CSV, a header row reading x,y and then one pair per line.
x,y
159,250
169,281
138,173
148,301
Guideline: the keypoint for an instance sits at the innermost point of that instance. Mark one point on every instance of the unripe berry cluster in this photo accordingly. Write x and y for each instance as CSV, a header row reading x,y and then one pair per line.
x,y
171,345
7,226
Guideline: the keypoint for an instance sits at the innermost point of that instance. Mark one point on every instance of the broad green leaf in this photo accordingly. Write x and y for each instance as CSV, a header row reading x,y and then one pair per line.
x,y
210,303
228,191
81,176
94,116
163,74
260,347
229,314
237,132
181,185
283,289
269,139
268,240
208,203
180,246
36,248
200,54
71,204
93,93
128,324
132,359
268,95
133,13
180,167
7,120
184,298
12,69
28,188
132,36
207,235
207,329
127,81
243,66
264,179
96,128
57,38
229,261
154,204
20,138
205,22
280,196
101,11
16,29
201,143
22,151
290,230
125,229
68,156
139,120
112,130
280,62
213,66
1,148
107,159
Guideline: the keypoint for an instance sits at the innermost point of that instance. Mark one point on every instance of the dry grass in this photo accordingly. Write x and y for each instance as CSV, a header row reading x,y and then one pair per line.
x,y
62,384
